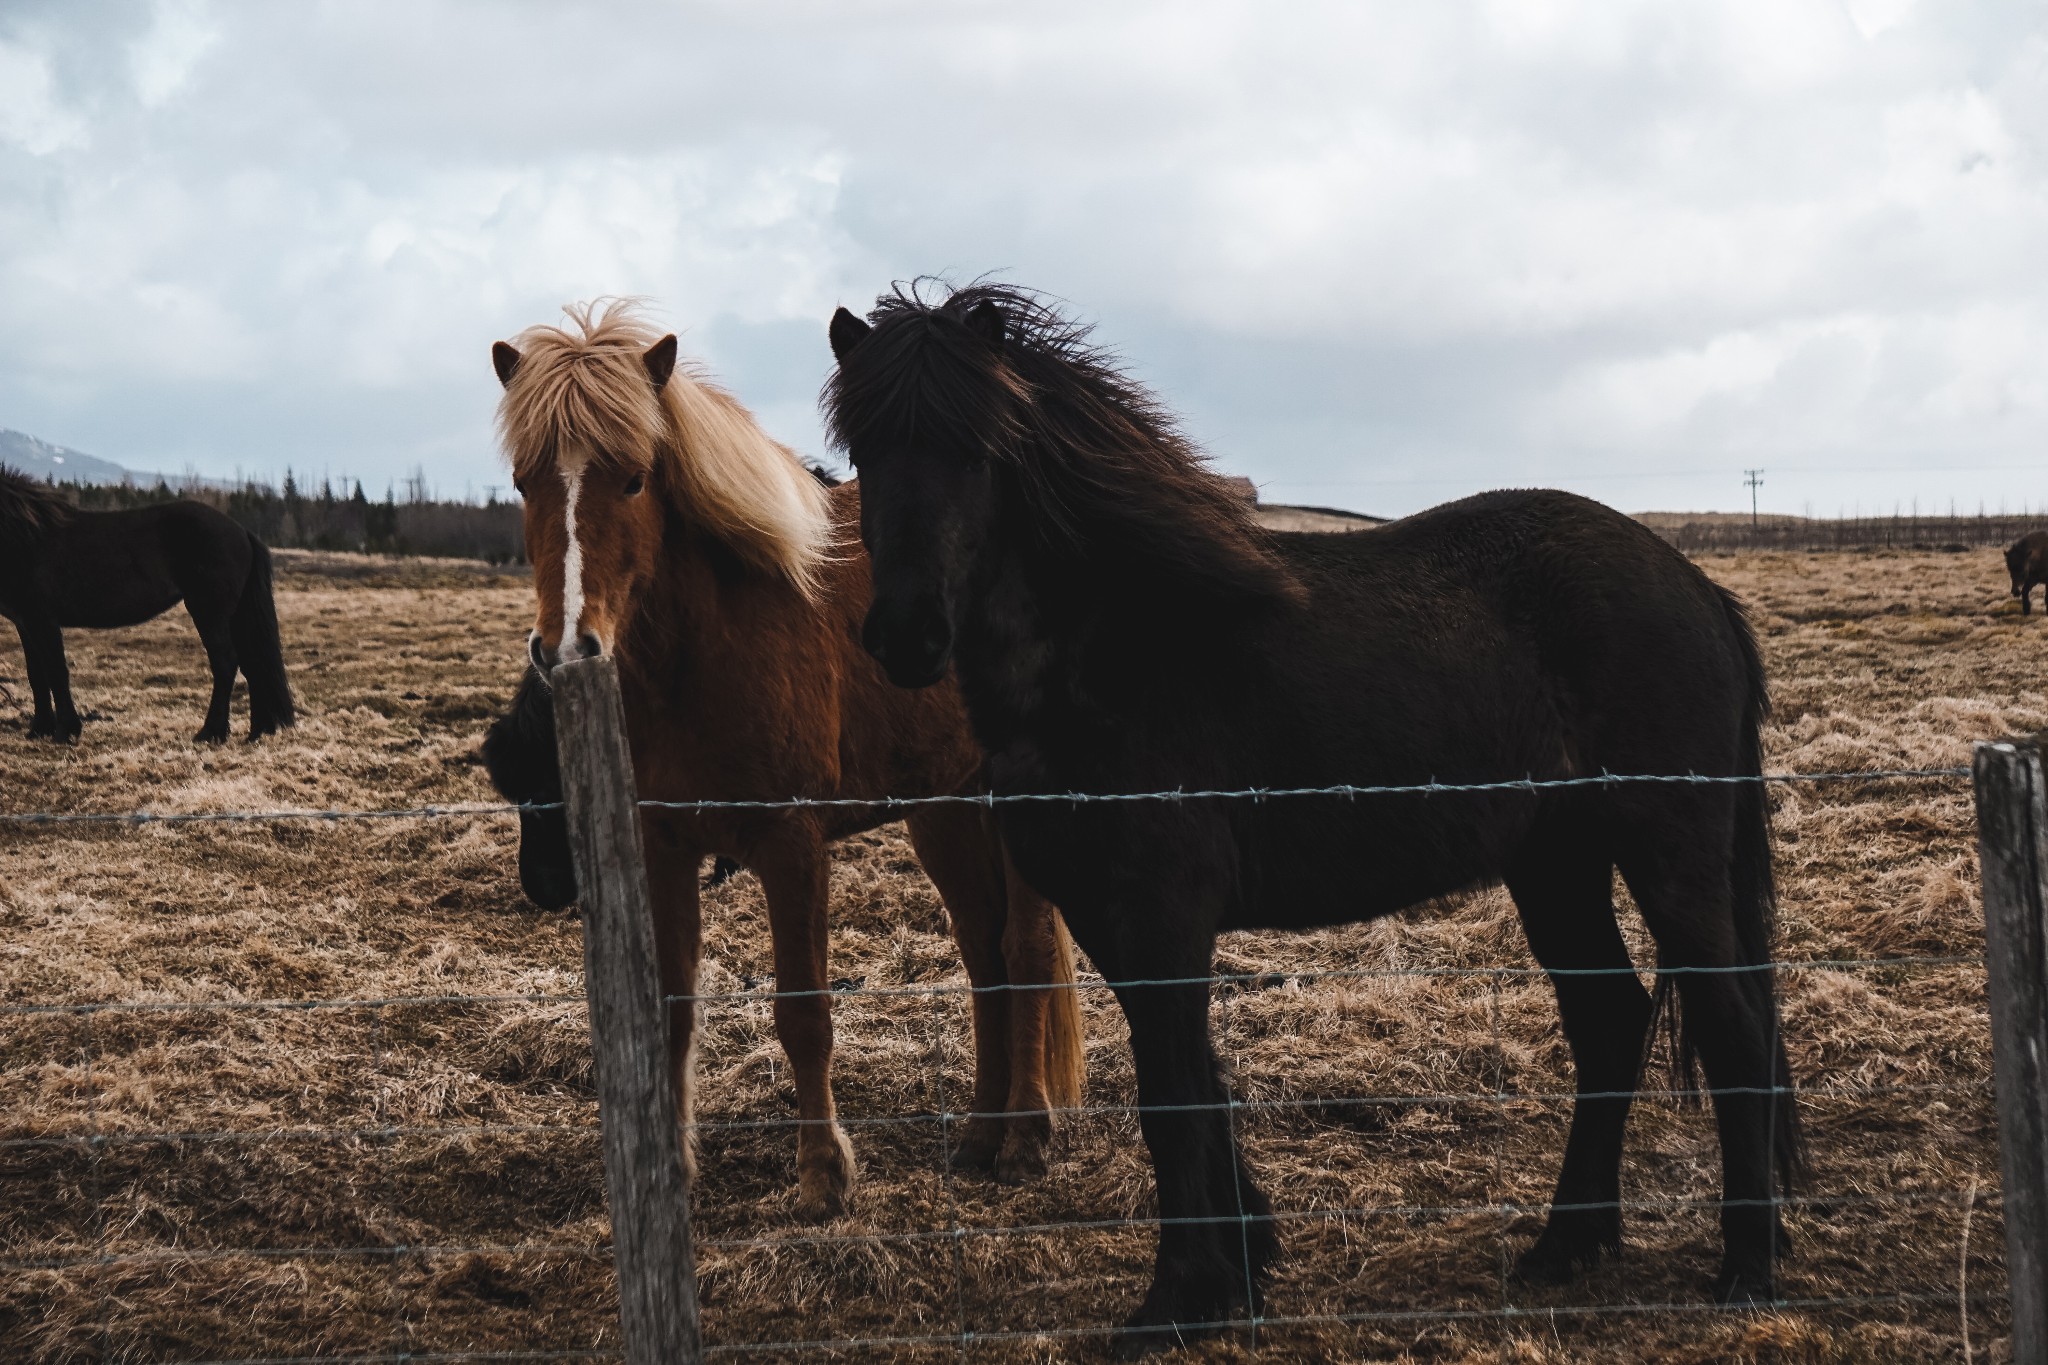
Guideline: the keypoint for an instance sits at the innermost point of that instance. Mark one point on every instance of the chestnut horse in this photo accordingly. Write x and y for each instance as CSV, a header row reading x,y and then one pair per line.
x,y
667,529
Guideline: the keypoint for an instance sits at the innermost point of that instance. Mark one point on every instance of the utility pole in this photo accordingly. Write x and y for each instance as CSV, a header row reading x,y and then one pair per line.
x,y
1754,479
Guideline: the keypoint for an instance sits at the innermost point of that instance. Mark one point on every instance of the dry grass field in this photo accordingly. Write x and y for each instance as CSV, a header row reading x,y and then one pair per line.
x,y
424,1178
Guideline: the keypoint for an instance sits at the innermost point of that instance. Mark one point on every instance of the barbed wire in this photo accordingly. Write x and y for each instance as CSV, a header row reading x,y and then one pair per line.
x,y
970,1231
1265,980
991,799
456,1132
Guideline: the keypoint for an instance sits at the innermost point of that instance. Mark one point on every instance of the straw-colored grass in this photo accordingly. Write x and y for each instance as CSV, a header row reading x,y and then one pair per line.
x,y
256,1237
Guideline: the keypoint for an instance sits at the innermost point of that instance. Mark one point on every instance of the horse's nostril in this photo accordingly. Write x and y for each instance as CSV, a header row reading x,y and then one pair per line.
x,y
538,653
587,645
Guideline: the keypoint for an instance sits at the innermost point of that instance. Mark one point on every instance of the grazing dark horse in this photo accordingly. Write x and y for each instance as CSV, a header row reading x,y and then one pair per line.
x,y
62,567
1118,623
667,529
2026,560
520,756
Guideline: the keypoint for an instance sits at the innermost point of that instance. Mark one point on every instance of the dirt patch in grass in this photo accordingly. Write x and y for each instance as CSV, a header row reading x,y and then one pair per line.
x,y
425,1176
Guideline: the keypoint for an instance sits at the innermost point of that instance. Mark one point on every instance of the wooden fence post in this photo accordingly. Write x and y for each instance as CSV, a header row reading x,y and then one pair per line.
x,y
2012,844
643,1158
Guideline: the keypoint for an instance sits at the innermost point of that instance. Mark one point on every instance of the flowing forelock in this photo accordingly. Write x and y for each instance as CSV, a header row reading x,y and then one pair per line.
x,y
581,391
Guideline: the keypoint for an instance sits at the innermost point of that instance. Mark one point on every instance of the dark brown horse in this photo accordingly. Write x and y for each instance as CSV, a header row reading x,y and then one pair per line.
x,y
667,529
2026,560
61,568
1118,624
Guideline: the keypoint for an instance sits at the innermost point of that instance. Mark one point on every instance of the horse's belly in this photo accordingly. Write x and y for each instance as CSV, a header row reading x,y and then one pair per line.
x,y
121,605
1311,872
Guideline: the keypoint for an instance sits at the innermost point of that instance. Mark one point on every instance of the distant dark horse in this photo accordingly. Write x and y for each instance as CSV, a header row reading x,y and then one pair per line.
x,y
1118,623
62,567
2026,560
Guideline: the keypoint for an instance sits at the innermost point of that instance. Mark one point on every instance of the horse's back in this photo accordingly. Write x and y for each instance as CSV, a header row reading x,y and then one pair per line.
x,y
119,568
1511,611
1508,636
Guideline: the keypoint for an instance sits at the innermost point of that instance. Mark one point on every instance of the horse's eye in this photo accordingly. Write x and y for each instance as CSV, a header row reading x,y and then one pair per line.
x,y
635,484
519,487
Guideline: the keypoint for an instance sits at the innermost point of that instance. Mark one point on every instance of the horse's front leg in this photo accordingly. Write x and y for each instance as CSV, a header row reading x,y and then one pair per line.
x,y
793,869
1216,1240
678,940
49,678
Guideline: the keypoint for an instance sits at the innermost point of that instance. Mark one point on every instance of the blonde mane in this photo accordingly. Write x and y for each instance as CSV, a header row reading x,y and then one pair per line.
x,y
584,388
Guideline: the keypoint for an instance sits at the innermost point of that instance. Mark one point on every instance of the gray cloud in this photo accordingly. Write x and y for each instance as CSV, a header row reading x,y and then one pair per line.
x,y
1378,254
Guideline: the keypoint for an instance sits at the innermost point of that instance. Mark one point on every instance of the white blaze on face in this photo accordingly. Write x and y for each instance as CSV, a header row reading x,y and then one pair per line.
x,y
572,565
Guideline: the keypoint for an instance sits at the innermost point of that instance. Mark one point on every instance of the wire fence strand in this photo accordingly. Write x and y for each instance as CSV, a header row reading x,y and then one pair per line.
x,y
1349,791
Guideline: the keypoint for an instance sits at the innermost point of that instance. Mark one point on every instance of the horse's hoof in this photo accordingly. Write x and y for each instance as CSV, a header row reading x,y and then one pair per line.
x,y
1745,1288
979,1141
1180,1311
824,1180
973,1154
209,735
1558,1256
822,1204
1141,1337
1144,1336
1022,1158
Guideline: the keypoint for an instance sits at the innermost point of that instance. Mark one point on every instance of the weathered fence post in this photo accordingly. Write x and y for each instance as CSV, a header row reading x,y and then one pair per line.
x,y
2012,843
643,1159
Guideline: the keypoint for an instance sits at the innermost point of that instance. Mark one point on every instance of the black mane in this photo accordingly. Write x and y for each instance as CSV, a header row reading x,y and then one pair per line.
x,y
1099,462
29,507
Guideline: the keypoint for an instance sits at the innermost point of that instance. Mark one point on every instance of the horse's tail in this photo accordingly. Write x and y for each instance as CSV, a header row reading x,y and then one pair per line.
x,y
1066,1064
1754,904
260,651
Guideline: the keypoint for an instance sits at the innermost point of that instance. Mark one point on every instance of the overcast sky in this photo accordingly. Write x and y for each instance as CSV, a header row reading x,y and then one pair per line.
x,y
1379,254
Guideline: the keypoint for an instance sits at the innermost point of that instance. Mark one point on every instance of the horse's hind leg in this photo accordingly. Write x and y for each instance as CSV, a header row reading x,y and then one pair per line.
x,y
222,660
1563,887
958,851
1046,1042
794,872
1678,870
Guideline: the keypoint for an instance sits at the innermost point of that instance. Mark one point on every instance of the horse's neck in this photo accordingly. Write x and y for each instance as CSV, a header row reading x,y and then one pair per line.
x,y
677,624
1018,674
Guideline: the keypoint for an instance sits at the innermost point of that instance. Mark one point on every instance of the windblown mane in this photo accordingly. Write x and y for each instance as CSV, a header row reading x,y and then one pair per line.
x,y
583,387
1100,461
29,507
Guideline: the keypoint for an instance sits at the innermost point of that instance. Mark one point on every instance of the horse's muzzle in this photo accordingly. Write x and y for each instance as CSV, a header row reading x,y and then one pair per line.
x,y
584,646
913,645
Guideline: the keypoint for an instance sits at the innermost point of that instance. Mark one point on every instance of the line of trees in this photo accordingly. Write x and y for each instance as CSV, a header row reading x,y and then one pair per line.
x,y
338,519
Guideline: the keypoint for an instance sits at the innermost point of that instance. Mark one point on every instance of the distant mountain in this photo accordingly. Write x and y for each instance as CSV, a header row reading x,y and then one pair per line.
x,y
19,450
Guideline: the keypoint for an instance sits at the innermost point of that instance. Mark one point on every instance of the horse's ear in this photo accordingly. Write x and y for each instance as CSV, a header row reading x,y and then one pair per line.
x,y
985,319
660,360
847,332
504,359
